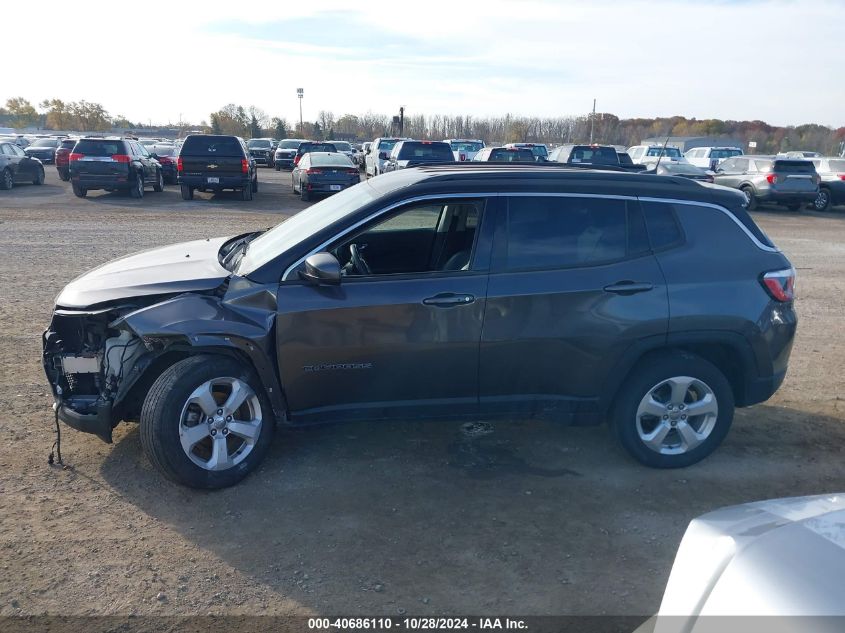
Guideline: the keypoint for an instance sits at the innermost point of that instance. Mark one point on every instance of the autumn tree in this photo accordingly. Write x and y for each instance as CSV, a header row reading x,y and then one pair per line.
x,y
22,112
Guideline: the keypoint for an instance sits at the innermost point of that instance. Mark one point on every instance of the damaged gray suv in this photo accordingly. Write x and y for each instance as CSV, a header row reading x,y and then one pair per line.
x,y
454,291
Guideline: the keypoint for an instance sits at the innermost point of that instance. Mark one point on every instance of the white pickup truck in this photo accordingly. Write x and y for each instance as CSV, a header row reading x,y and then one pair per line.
x,y
464,148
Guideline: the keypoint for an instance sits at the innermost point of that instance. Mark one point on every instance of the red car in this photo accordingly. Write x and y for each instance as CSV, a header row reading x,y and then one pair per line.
x,y
63,157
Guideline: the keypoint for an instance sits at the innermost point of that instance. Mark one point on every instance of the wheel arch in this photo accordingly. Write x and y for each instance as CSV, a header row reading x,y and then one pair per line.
x,y
729,352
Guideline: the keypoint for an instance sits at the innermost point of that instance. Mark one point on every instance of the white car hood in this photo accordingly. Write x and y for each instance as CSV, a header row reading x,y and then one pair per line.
x,y
783,557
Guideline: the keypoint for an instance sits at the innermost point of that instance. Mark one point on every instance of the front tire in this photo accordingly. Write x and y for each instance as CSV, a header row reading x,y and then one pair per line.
x,y
304,194
159,186
206,422
673,411
187,192
39,177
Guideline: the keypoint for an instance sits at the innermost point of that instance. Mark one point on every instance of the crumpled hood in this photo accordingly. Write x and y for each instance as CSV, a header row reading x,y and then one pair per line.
x,y
170,269
783,557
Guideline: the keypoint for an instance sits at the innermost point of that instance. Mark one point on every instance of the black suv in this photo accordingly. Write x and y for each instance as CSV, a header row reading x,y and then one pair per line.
x,y
113,164
213,162
604,296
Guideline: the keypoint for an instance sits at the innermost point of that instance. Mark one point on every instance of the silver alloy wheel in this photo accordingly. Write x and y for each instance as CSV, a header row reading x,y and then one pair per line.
x,y
220,423
677,415
821,200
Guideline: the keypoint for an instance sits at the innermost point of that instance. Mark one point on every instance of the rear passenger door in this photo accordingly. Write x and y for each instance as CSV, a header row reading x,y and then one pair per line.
x,y
573,285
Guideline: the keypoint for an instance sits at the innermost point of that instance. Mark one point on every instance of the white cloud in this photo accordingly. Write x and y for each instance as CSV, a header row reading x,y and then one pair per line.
x,y
767,59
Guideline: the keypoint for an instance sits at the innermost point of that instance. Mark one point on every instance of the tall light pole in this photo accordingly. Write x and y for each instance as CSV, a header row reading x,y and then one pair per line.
x,y
299,92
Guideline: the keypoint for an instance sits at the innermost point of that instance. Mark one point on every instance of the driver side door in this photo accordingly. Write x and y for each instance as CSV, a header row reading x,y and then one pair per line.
x,y
400,335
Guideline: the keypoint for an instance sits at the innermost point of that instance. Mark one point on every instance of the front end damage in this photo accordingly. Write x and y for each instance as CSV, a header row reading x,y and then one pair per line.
x,y
89,363
101,362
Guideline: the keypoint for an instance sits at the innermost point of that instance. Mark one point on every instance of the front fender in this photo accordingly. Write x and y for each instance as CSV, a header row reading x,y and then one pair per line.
x,y
196,323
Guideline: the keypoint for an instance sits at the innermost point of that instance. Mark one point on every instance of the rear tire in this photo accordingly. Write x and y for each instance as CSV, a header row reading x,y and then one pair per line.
x,y
64,176
686,439
304,194
159,186
246,192
169,413
39,177
137,189
750,197
187,192
278,167
6,180
255,185
78,191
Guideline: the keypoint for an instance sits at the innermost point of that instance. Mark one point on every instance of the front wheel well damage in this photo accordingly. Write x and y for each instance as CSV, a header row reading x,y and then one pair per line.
x,y
131,402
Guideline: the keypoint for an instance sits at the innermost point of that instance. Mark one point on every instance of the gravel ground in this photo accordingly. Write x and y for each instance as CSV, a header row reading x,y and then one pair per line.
x,y
522,517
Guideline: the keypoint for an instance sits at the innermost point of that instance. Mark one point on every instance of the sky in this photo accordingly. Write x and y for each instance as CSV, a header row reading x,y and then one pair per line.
x,y
774,60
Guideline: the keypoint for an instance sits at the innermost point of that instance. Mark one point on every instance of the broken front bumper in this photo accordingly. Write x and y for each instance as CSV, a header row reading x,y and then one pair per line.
x,y
98,421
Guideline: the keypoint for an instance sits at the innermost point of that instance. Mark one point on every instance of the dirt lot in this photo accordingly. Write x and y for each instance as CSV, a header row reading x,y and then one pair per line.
x,y
528,518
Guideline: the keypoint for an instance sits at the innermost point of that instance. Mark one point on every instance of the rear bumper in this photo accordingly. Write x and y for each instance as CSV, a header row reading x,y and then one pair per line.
x,y
225,182
319,187
100,181
761,389
263,160
778,197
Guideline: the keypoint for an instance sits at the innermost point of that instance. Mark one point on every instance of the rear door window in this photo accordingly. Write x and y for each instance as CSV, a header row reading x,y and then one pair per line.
x,y
562,232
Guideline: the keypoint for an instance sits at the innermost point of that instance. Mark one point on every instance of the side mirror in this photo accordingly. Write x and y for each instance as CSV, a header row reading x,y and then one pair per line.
x,y
322,269
382,155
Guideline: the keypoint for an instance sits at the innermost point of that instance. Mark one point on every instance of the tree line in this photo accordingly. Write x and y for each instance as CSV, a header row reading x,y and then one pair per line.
x,y
251,122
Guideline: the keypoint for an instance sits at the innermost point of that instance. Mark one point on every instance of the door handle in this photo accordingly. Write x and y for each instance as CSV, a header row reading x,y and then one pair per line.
x,y
628,287
448,299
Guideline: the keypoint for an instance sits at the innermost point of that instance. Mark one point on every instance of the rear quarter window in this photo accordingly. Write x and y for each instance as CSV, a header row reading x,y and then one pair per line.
x,y
662,225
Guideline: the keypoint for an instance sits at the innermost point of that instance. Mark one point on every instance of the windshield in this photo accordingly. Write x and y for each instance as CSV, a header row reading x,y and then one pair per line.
x,y
289,144
301,226
387,144
202,145
257,142
466,146
670,152
46,142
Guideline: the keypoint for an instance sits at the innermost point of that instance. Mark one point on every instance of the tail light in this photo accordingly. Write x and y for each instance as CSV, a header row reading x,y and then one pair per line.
x,y
312,170
244,166
296,159
180,167
74,156
780,284
354,172
841,176
772,178
121,158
